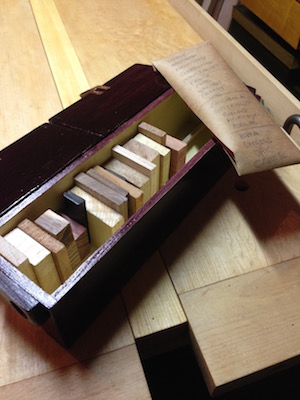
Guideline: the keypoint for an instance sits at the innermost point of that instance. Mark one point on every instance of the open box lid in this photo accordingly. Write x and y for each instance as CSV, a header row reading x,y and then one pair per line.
x,y
252,139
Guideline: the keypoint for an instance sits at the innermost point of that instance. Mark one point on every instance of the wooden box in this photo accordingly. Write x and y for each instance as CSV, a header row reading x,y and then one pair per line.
x,y
42,165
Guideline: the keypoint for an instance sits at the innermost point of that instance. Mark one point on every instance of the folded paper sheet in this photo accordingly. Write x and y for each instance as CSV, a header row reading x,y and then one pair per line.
x,y
252,139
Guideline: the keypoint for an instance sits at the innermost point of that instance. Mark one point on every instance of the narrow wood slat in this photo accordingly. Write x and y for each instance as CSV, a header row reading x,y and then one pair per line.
x,y
68,74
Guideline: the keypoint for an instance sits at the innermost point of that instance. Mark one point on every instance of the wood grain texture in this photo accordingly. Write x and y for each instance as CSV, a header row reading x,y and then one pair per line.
x,y
60,229
81,236
152,132
22,51
246,325
57,249
69,76
39,257
135,195
103,221
178,153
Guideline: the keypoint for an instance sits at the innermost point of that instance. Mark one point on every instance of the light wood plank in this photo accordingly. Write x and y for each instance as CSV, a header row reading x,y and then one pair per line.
x,y
103,221
135,195
152,132
13,255
140,164
245,325
165,156
178,153
58,250
39,257
115,375
105,194
69,76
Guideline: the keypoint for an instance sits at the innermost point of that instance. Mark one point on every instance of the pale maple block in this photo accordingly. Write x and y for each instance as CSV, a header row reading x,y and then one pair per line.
x,y
60,229
58,249
165,156
131,175
105,194
178,153
39,257
135,195
81,237
17,259
152,132
140,164
103,221
246,326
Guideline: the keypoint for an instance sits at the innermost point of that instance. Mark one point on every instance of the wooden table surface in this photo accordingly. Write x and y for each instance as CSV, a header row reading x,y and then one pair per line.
x,y
230,271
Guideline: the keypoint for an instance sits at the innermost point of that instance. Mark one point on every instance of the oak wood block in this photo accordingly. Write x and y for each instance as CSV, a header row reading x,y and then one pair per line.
x,y
103,220
135,195
81,237
143,151
105,194
39,257
140,164
107,182
164,153
178,153
58,249
18,259
60,228
152,132
131,175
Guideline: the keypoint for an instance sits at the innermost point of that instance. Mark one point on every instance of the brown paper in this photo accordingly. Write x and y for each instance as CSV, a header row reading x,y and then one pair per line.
x,y
216,95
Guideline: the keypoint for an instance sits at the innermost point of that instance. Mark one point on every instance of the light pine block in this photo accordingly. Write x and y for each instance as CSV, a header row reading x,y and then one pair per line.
x,y
103,221
60,229
178,153
152,132
135,195
140,164
58,249
143,151
17,259
105,194
165,156
131,175
39,257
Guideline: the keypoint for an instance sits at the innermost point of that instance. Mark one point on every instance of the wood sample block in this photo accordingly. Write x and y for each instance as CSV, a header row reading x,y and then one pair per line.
x,y
39,257
135,195
60,228
178,153
131,175
103,220
107,182
74,207
140,164
165,156
81,236
18,259
152,132
143,151
57,249
105,194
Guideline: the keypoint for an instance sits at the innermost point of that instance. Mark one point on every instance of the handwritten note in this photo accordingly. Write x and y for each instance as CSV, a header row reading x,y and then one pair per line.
x,y
216,95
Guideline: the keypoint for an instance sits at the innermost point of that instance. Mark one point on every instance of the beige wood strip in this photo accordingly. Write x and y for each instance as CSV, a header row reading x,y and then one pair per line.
x,y
68,74
39,257
13,255
135,195
165,156
152,132
246,324
103,221
24,69
58,250
115,375
248,69
152,307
